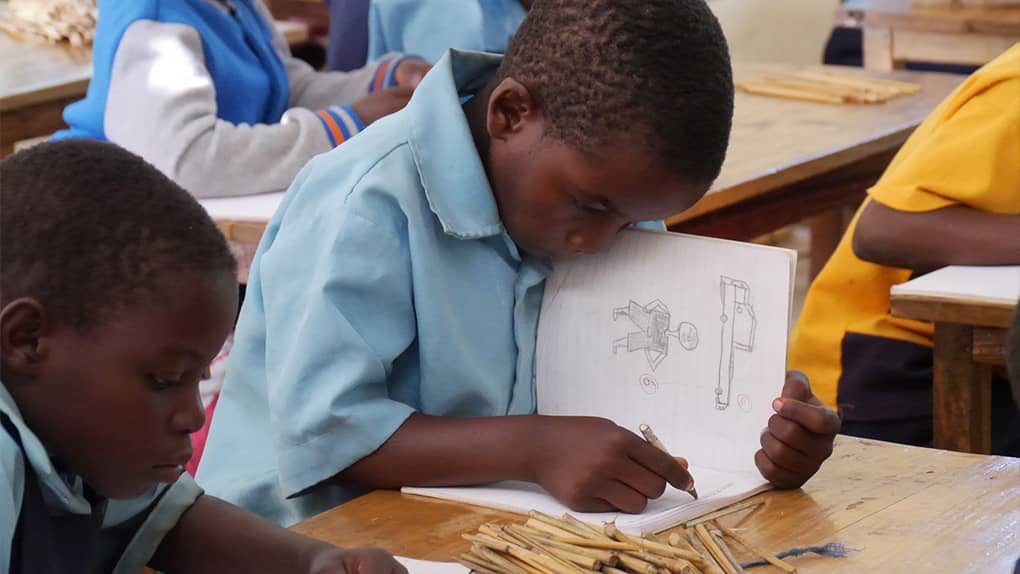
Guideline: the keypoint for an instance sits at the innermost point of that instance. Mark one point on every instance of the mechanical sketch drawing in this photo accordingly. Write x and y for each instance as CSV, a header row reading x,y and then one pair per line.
x,y
653,337
738,325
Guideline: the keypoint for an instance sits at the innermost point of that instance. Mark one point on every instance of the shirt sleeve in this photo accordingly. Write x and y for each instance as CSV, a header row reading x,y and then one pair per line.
x,y
968,157
171,503
162,106
333,337
12,486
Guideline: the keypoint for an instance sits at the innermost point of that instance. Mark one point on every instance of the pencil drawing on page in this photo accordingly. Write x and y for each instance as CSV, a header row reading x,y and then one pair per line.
x,y
738,326
652,336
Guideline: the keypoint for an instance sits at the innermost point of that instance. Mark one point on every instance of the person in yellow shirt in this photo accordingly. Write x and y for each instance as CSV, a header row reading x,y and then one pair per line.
x,y
951,196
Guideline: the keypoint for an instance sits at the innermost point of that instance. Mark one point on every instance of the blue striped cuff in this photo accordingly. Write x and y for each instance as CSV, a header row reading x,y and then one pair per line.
x,y
385,72
341,123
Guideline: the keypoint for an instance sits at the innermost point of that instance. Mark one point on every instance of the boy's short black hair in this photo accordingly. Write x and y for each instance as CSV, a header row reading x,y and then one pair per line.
x,y
659,69
88,228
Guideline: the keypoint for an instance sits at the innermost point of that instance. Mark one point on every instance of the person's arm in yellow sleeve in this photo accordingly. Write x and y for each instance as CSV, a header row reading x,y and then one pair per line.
x,y
954,235
952,197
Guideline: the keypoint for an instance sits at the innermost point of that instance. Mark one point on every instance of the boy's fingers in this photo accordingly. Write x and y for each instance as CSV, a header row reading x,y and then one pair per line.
x,y
788,456
794,435
662,464
774,473
815,418
639,478
622,497
797,386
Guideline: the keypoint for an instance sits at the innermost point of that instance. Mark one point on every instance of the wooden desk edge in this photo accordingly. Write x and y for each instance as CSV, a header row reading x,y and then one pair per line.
x,y
993,21
945,309
789,175
244,231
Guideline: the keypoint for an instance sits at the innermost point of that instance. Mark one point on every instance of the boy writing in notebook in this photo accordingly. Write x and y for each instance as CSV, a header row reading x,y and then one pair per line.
x,y
116,291
422,254
951,196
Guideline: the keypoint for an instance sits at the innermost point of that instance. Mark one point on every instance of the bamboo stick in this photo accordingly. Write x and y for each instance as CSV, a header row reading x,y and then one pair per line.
x,y
863,81
717,537
635,564
702,533
771,558
551,529
530,544
585,526
752,504
581,532
710,565
476,564
505,562
764,89
540,561
678,541
604,556
656,547
674,565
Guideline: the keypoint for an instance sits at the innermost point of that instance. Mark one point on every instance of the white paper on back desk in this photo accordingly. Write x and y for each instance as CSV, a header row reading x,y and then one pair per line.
x,y
428,567
686,334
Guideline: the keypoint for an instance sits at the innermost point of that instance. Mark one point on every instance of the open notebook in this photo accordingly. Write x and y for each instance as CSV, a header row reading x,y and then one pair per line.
x,y
686,334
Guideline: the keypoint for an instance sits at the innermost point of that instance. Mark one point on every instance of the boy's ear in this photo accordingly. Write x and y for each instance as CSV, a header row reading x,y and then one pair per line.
x,y
511,108
23,325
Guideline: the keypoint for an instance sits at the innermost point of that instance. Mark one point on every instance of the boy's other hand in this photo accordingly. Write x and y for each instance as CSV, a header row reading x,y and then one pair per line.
x,y
593,465
799,436
355,561
410,72
382,103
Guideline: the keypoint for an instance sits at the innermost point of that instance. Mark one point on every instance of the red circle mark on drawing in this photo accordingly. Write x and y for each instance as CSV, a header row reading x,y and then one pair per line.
x,y
648,384
744,402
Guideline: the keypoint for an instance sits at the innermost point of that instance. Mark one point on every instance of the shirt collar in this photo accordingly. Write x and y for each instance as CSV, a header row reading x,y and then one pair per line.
x,y
448,163
69,497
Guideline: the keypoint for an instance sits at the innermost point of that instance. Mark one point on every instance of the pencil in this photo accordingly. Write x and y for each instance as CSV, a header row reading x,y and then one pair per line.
x,y
653,440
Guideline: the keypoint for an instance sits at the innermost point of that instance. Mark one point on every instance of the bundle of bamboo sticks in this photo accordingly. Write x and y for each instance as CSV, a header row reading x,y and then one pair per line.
x,y
828,87
549,545
55,21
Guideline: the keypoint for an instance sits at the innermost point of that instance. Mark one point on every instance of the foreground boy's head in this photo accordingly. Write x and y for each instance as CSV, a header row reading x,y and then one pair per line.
x,y
604,113
116,291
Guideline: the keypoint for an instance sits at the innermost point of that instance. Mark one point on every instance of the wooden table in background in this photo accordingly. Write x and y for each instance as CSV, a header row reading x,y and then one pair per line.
x,y
789,160
37,80
970,340
895,32
901,508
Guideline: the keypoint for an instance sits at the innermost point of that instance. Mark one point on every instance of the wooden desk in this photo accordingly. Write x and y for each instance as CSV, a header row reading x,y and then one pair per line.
x,y
896,32
37,80
904,509
787,160
972,308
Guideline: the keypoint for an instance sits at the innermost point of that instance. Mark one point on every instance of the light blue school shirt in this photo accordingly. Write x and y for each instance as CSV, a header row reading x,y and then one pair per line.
x,y
132,529
384,284
429,27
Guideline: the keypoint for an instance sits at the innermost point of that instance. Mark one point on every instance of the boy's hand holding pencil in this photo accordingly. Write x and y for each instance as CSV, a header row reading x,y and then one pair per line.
x,y
593,465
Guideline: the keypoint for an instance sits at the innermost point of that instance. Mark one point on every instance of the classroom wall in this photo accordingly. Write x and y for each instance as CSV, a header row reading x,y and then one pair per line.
x,y
792,31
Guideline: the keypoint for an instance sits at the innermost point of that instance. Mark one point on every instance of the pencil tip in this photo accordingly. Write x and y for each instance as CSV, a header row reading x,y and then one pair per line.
x,y
693,492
